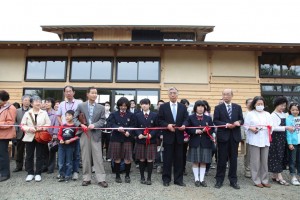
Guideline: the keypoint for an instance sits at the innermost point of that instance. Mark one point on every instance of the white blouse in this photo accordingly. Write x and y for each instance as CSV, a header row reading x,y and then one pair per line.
x,y
260,120
276,121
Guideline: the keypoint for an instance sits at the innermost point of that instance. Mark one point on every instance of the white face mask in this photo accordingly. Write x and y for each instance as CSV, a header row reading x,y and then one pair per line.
x,y
107,108
259,108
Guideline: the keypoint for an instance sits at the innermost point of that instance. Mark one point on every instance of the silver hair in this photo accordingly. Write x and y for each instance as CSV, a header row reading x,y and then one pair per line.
x,y
25,96
172,88
35,98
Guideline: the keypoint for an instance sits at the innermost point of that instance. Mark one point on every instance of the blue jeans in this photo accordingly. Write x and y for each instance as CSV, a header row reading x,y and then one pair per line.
x,y
65,159
76,156
294,160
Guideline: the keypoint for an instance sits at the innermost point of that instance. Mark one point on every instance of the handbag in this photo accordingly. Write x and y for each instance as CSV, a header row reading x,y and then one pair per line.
x,y
41,136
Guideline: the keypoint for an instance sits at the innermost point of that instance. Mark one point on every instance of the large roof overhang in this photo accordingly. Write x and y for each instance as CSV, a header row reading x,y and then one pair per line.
x,y
235,46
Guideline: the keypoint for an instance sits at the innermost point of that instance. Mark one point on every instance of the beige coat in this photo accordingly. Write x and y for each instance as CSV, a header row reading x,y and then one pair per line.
x,y
7,117
42,120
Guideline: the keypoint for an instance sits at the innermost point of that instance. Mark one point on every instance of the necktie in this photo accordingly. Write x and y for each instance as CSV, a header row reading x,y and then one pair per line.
x,y
200,118
229,110
146,115
174,111
122,114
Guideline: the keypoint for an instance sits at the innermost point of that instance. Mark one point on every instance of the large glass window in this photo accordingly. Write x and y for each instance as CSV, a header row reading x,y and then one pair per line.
x,y
279,65
46,69
83,36
138,70
271,91
56,93
91,69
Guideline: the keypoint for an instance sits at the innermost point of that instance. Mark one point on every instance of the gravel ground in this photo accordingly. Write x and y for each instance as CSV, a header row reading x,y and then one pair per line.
x,y
49,188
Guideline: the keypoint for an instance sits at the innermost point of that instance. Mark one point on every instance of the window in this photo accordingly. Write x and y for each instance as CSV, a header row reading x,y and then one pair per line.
x,y
83,36
271,91
183,36
44,93
279,65
91,69
138,70
46,69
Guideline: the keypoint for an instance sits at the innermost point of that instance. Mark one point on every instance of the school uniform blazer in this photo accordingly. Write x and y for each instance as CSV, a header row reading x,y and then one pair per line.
x,y
98,119
142,122
199,139
221,117
116,121
165,117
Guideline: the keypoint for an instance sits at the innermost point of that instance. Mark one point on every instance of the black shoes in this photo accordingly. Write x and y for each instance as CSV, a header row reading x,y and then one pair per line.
x,y
118,180
17,170
127,179
197,183
4,178
218,185
166,184
143,181
235,186
148,182
180,184
203,184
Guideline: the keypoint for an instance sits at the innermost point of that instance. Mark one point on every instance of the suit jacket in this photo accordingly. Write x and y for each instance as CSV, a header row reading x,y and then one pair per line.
x,y
116,121
98,119
20,114
165,117
199,139
142,122
221,117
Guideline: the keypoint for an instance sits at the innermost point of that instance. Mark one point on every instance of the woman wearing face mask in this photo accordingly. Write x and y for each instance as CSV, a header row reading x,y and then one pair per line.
x,y
106,133
256,123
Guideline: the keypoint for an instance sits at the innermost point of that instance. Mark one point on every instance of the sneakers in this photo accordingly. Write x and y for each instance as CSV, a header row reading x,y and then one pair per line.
x,y
295,182
29,177
75,176
37,178
61,179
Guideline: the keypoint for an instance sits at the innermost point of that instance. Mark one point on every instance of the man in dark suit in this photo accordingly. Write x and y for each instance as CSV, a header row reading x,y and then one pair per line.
x,y
229,115
172,115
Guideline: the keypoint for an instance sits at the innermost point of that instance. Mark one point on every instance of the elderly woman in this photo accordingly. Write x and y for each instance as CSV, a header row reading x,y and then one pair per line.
x,y
277,147
39,117
8,115
258,138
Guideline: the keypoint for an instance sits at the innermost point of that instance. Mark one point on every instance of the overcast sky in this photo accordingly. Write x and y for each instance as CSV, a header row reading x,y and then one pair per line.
x,y
234,20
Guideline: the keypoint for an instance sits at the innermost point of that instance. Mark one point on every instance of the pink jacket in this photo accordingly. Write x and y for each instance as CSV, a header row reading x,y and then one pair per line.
x,y
8,115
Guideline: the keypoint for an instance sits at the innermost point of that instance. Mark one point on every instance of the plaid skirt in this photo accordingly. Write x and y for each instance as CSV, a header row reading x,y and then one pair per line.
x,y
118,150
199,155
145,153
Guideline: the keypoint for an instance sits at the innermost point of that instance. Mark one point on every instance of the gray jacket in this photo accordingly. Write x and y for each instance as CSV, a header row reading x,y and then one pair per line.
x,y
98,119
20,114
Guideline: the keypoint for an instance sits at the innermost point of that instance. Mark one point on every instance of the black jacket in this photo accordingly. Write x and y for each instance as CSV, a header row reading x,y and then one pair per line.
x,y
142,122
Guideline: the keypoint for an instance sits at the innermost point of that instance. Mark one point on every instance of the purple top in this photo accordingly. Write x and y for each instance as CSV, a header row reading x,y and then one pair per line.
x,y
54,122
64,106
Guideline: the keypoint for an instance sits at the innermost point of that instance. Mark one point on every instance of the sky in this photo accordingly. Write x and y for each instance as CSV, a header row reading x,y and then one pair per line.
x,y
234,20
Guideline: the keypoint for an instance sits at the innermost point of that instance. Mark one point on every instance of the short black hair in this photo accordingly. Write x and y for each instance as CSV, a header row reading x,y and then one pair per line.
x,y
280,100
145,101
133,101
160,101
248,100
70,112
4,96
69,86
107,102
185,101
252,105
49,99
90,88
199,103
208,108
291,105
121,101
16,105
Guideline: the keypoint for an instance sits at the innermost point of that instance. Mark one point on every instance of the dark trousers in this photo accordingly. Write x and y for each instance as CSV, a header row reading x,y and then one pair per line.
x,y
294,160
45,156
105,140
173,156
20,154
76,156
185,147
4,159
51,161
38,148
227,151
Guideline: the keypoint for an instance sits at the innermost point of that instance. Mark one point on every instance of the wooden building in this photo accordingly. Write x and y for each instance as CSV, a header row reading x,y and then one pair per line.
x,y
144,61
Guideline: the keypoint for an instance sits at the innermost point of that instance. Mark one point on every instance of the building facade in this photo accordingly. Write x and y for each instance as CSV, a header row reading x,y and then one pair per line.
x,y
144,61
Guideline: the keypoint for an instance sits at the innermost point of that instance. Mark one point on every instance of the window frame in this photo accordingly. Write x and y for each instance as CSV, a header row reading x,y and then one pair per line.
x,y
43,92
46,59
279,64
80,35
92,58
138,59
